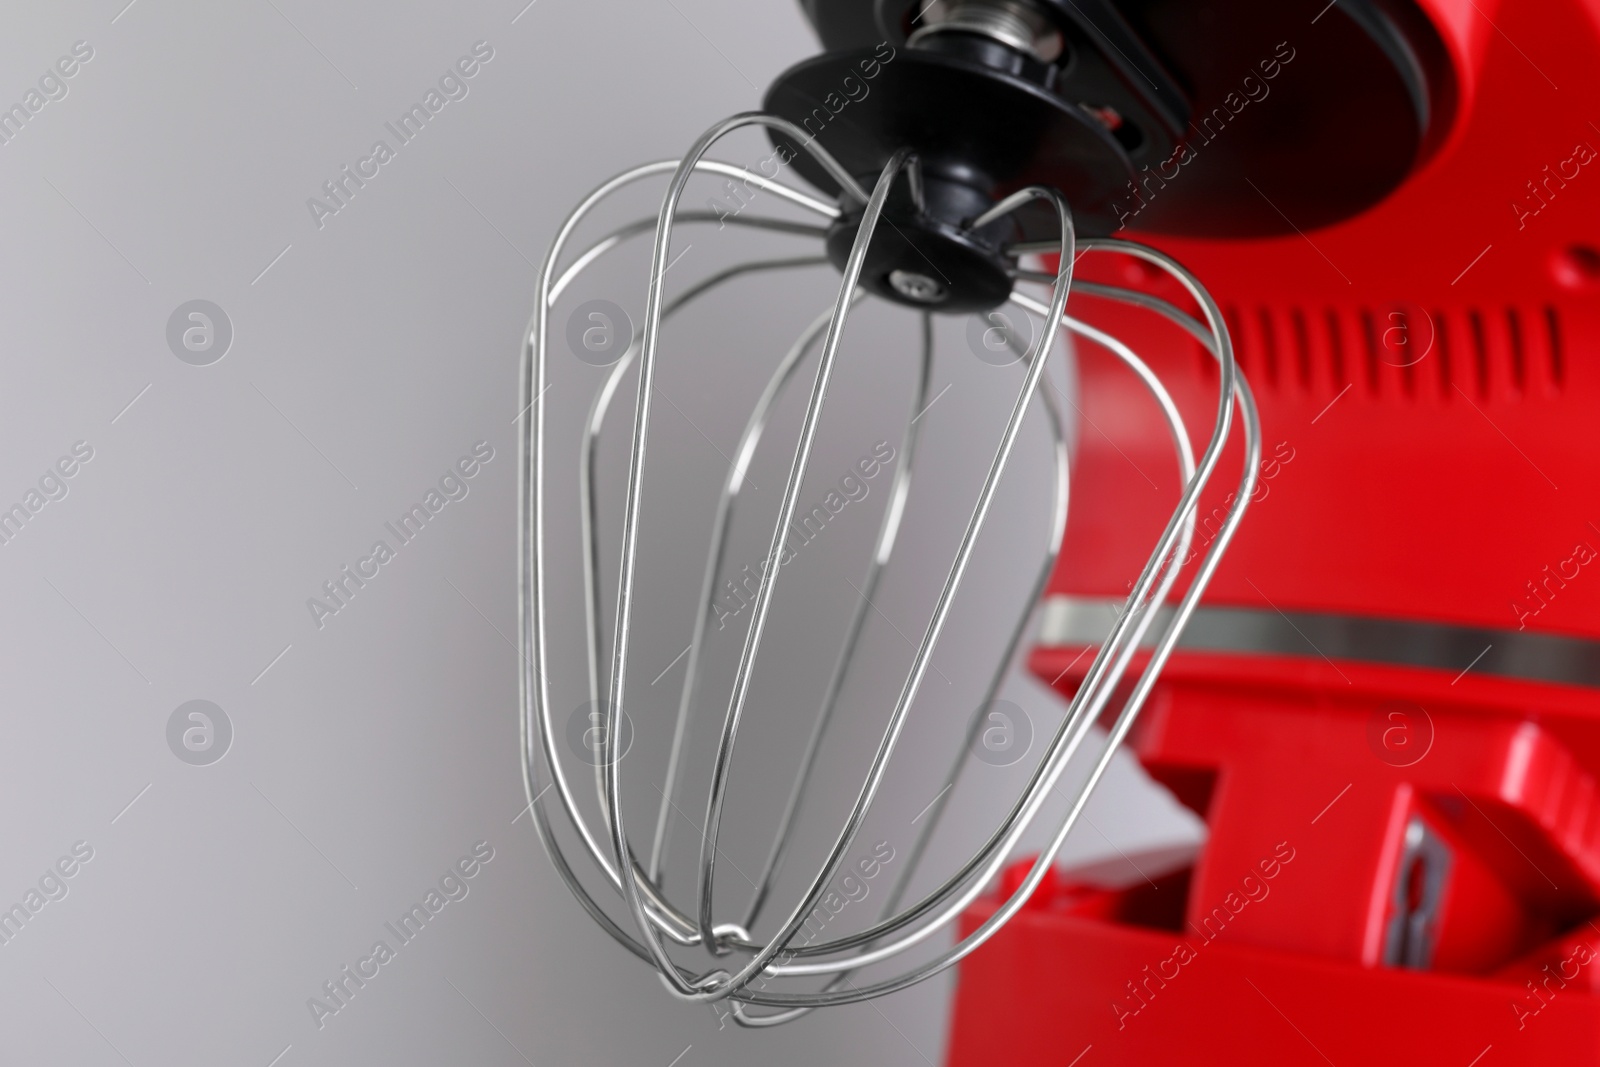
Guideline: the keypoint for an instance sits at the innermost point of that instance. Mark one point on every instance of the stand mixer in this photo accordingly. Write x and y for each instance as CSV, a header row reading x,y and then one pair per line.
x,y
958,156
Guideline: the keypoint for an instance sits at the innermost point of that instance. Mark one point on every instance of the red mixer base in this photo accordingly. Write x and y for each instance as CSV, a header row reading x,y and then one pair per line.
x,y
1054,988
1402,866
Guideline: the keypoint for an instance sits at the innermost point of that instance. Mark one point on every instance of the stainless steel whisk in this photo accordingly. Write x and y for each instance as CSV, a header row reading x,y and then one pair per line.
x,y
973,254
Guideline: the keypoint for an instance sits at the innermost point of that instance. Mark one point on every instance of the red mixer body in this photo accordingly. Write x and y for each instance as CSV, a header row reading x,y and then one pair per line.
x,y
1402,862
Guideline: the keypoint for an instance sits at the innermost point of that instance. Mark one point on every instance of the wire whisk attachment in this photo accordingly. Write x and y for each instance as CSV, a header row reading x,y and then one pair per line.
x,y
772,968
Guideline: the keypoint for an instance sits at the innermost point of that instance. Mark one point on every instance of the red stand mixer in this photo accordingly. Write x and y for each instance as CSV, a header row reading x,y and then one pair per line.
x,y
1383,701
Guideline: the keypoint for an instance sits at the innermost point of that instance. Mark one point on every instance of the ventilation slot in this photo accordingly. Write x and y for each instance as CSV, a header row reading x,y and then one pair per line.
x,y
1480,353
1558,357
1399,354
1519,365
1369,350
1302,348
1445,361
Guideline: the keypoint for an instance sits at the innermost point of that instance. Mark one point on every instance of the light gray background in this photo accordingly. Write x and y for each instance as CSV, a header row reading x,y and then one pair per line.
x,y
369,355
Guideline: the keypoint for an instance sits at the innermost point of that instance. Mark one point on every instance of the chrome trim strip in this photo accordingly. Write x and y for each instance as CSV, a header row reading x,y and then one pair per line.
x,y
1077,621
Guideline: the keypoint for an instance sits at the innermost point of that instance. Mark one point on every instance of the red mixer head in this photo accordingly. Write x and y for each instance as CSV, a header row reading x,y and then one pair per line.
x,y
1447,324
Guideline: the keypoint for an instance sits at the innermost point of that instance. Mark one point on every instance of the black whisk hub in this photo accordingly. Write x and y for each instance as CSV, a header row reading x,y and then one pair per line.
x,y
972,115
924,255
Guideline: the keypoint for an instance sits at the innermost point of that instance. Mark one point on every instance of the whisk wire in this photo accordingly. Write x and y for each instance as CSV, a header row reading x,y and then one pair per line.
x,y
536,727
711,985
1059,754
922,657
776,958
883,549
589,508
993,854
743,674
